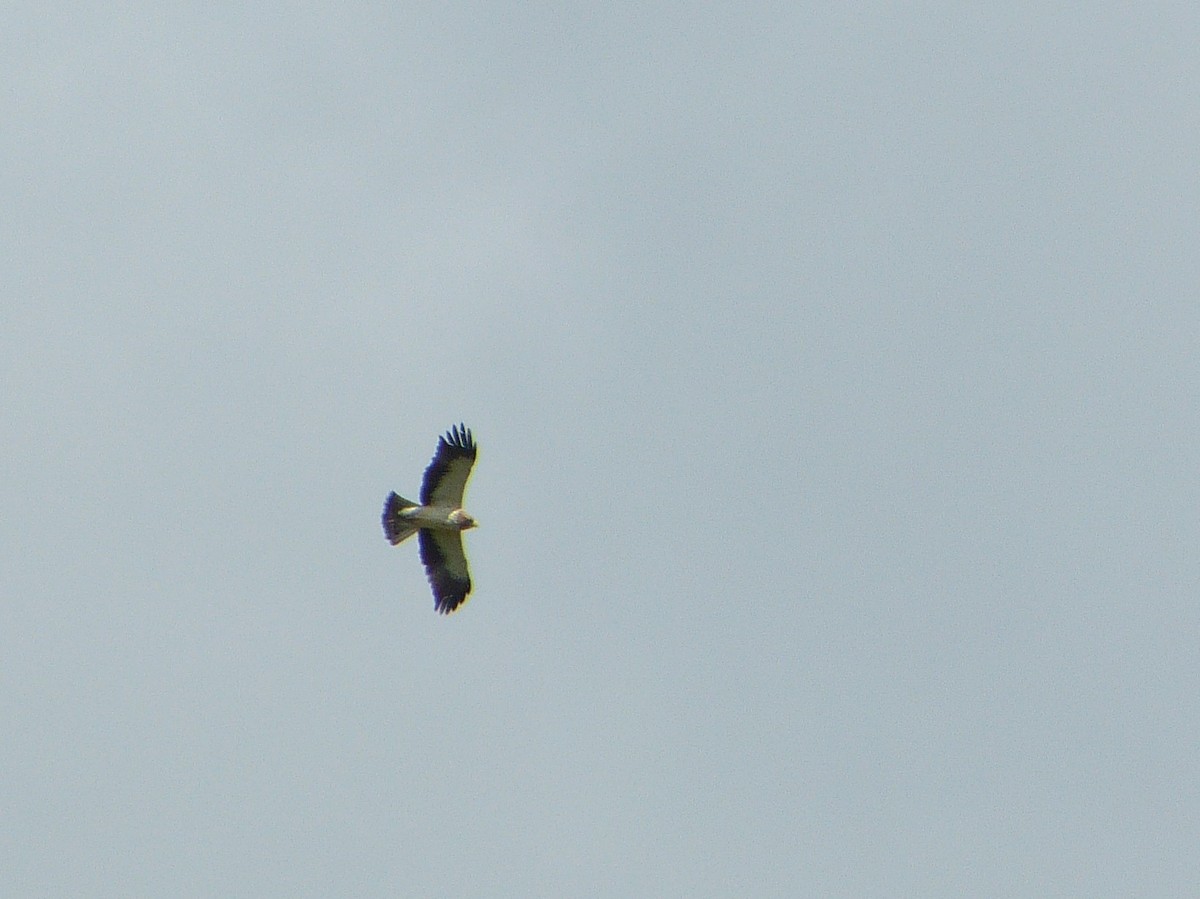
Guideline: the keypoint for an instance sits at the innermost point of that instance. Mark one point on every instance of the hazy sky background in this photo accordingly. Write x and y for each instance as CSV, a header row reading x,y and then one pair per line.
x,y
835,379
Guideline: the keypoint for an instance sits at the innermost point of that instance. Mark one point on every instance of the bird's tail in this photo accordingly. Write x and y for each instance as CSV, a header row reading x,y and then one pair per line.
x,y
396,527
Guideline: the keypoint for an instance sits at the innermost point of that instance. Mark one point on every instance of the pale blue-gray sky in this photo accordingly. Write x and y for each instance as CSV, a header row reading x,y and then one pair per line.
x,y
835,380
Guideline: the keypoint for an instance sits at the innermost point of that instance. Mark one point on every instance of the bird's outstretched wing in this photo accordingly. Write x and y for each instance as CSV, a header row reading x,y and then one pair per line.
x,y
446,477
446,567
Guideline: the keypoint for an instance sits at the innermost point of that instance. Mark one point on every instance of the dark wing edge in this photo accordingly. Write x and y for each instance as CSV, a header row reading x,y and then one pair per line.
x,y
446,477
446,567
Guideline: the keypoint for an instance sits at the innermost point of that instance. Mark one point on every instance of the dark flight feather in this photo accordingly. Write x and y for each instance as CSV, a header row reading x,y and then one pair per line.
x,y
446,477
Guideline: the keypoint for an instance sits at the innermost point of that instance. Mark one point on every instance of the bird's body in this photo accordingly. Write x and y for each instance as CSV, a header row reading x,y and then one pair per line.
x,y
432,518
439,519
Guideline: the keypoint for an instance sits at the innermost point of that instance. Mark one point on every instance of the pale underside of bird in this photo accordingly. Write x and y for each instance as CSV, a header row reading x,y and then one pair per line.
x,y
438,519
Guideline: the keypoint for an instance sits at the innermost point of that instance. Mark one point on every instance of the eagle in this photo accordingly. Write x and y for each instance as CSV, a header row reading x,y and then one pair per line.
x,y
439,520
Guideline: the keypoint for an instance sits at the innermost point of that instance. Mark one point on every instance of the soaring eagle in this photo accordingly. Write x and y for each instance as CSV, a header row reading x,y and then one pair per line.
x,y
439,519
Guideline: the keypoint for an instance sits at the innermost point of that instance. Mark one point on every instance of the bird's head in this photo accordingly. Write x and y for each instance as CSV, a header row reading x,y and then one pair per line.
x,y
463,520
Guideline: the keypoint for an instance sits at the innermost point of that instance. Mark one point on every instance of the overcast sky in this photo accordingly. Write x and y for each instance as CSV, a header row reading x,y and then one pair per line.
x,y
835,381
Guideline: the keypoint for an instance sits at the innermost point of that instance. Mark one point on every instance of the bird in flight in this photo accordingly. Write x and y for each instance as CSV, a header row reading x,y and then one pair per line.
x,y
439,520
